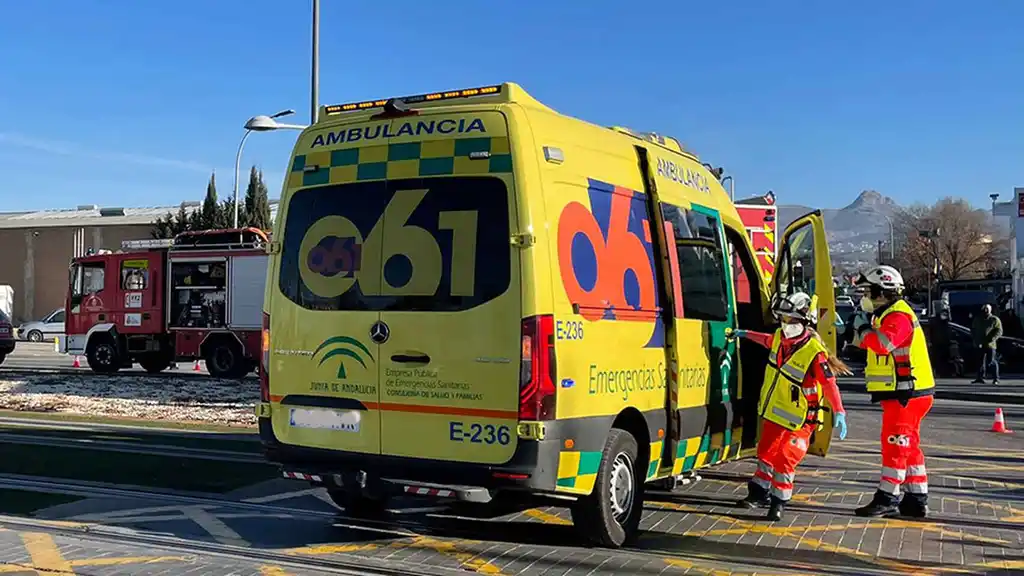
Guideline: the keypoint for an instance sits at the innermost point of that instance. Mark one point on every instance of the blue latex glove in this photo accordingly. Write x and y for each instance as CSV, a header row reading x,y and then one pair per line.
x,y
840,423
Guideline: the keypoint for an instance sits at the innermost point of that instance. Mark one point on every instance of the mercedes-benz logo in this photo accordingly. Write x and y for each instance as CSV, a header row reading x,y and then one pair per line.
x,y
379,332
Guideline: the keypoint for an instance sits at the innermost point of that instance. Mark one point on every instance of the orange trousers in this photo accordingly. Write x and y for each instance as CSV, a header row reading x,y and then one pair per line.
x,y
779,452
902,458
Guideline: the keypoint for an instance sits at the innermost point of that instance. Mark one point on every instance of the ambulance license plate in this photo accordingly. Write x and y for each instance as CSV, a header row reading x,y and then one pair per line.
x,y
325,419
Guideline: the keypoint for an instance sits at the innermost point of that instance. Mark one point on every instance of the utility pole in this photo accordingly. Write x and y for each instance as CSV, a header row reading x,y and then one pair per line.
x,y
314,73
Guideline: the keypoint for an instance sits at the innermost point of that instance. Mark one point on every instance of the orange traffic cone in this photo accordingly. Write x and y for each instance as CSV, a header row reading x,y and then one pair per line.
x,y
76,363
196,367
999,425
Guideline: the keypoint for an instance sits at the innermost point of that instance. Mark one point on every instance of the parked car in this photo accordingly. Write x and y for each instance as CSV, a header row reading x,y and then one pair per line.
x,y
46,329
844,301
6,336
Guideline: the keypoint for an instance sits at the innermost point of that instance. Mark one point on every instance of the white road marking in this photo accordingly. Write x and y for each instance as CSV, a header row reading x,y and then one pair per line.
x,y
214,526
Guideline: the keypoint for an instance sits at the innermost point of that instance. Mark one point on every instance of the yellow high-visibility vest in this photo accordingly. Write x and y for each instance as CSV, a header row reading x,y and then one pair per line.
x,y
783,395
904,368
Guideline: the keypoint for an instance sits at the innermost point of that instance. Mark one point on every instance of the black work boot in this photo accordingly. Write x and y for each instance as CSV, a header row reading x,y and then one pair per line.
x,y
776,509
756,496
881,506
914,505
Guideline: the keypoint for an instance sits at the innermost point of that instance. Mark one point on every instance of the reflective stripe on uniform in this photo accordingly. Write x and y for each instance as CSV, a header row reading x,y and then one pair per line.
x,y
905,368
884,341
793,372
782,485
778,402
916,487
791,418
917,480
763,475
889,487
894,473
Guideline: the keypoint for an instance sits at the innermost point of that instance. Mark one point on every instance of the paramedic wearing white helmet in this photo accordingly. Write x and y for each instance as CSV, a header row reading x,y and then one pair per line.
x,y
800,372
899,377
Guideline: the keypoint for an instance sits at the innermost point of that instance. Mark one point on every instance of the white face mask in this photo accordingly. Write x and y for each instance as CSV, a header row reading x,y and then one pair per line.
x,y
867,305
792,330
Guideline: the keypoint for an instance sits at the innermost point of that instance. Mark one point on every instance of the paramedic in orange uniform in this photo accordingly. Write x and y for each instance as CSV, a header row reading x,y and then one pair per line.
x,y
800,370
899,376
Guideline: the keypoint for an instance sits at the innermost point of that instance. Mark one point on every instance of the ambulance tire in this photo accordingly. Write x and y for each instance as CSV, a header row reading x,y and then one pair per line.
x,y
103,355
593,516
357,505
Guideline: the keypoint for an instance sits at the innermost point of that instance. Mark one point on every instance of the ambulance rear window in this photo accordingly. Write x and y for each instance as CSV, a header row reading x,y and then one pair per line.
x,y
420,244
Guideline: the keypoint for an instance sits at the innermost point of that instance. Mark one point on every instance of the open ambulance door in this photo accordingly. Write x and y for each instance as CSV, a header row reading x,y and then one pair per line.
x,y
804,265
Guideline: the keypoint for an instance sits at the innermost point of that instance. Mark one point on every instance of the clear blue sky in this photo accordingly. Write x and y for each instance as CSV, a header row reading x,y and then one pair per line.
x,y
133,103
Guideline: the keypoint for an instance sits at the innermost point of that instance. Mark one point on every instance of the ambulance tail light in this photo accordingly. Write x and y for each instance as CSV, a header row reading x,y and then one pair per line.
x,y
537,369
265,359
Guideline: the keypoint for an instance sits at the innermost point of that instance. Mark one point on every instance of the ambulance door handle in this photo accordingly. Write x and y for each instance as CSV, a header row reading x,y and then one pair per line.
x,y
411,358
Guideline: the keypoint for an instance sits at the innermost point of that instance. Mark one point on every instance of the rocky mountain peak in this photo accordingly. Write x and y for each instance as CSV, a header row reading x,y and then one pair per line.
x,y
871,199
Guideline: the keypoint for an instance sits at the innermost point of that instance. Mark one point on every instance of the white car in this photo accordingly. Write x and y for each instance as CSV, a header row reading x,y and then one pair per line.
x,y
844,301
48,328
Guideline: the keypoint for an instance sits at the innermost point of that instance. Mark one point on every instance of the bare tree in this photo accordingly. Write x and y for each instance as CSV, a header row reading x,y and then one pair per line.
x,y
951,232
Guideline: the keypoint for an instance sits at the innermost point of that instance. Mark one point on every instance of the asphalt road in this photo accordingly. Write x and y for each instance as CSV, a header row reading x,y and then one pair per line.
x,y
977,525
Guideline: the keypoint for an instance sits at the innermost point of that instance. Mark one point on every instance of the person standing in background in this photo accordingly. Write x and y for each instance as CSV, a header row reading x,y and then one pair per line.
x,y
986,329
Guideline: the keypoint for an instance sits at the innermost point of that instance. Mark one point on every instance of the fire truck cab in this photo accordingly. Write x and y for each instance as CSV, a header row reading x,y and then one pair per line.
x,y
197,296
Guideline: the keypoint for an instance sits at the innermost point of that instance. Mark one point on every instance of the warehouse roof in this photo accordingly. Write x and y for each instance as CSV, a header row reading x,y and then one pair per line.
x,y
93,215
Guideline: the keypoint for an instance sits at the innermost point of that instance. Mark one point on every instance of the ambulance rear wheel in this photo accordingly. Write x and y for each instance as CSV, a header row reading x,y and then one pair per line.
x,y
610,515
103,355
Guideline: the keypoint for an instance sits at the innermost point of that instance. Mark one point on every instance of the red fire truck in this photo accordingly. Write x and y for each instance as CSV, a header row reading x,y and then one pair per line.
x,y
760,217
198,296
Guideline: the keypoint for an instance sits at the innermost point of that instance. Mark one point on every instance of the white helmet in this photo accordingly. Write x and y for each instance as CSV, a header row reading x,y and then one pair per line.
x,y
884,277
796,305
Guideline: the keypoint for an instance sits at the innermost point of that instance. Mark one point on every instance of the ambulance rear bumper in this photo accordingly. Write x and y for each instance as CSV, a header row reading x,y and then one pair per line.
x,y
532,468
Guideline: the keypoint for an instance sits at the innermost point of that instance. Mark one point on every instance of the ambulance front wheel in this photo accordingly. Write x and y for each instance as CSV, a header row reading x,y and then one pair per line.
x,y
610,515
103,355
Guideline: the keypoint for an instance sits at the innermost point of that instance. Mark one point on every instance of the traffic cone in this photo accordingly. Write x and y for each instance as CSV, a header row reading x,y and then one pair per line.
x,y
999,424
196,367
76,363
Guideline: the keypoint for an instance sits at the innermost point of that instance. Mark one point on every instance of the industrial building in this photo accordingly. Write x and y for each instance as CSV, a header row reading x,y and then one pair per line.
x,y
37,247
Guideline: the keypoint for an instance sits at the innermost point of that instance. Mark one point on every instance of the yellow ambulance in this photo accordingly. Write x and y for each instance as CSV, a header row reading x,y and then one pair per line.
x,y
473,297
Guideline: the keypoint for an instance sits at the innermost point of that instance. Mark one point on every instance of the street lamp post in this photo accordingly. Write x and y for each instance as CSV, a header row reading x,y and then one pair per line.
x,y
314,72
259,124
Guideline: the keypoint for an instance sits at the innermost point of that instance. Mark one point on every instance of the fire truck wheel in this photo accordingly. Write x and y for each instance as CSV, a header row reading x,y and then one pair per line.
x,y
102,355
224,360
154,362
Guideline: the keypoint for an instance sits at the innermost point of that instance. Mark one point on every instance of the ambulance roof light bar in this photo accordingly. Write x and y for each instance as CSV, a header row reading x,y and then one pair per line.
x,y
336,109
